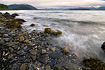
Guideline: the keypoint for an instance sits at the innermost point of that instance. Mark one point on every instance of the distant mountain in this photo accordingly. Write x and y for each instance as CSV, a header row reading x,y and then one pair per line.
x,y
3,7
79,8
88,8
21,7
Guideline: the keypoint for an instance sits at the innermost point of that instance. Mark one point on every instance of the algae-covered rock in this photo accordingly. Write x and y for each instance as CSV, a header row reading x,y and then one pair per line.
x,y
65,50
32,25
1,20
93,63
50,31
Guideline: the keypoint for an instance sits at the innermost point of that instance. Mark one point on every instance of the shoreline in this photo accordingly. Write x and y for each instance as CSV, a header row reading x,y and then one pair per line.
x,y
21,50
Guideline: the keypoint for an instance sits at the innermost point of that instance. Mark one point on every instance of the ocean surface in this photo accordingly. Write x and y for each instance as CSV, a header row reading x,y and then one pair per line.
x,y
83,31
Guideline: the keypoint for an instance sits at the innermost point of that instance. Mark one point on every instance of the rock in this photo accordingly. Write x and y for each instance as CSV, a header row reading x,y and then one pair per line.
x,y
2,32
27,42
23,67
33,52
32,25
65,50
17,19
47,67
14,15
21,52
53,49
21,39
44,51
55,55
93,63
6,39
70,66
5,35
43,59
52,63
33,57
39,47
11,49
50,31
57,67
30,68
103,46
27,49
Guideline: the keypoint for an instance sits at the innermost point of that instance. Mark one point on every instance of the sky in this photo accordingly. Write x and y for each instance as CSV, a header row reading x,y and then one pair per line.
x,y
57,3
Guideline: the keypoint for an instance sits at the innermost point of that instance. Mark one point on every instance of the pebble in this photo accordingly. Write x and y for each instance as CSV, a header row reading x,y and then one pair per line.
x,y
33,52
55,55
23,67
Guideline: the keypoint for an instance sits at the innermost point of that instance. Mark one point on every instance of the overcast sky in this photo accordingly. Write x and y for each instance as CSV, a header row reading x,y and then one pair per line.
x,y
57,3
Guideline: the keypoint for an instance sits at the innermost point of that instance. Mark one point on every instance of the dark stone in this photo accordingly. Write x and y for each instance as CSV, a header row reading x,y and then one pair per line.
x,y
21,52
103,46
33,58
52,62
27,49
55,55
42,59
30,68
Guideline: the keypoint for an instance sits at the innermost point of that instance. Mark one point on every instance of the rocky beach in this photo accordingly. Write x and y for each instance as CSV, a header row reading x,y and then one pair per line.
x,y
21,50
35,50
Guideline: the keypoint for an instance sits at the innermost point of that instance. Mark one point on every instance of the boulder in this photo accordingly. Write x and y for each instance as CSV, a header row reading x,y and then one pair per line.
x,y
103,46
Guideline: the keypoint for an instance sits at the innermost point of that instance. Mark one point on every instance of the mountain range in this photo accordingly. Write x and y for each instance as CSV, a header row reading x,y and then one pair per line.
x,y
22,7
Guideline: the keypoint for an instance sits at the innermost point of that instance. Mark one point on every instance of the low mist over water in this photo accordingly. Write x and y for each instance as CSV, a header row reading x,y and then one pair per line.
x,y
83,31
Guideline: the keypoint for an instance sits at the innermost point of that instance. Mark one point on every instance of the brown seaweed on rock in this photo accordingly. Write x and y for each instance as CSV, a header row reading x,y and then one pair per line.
x,y
93,63
50,31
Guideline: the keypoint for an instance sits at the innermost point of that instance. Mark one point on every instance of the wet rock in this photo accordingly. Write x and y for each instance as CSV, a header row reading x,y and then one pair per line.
x,y
70,66
6,39
14,15
93,63
52,62
42,59
27,49
47,67
55,55
33,57
21,52
103,46
22,39
22,20
44,51
11,49
31,68
27,42
53,49
5,35
23,67
33,52
32,25
57,67
50,31
65,50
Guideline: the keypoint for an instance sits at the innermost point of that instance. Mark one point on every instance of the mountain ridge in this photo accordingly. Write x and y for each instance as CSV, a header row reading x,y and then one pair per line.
x,y
22,7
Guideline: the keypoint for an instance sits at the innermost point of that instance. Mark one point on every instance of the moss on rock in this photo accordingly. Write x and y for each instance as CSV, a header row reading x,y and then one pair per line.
x,y
1,20
93,63
50,31
32,25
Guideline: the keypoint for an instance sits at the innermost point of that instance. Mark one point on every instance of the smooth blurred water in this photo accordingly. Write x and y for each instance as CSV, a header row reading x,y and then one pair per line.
x,y
84,31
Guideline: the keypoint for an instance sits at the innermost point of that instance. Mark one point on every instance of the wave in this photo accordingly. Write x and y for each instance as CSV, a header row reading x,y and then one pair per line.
x,y
68,20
